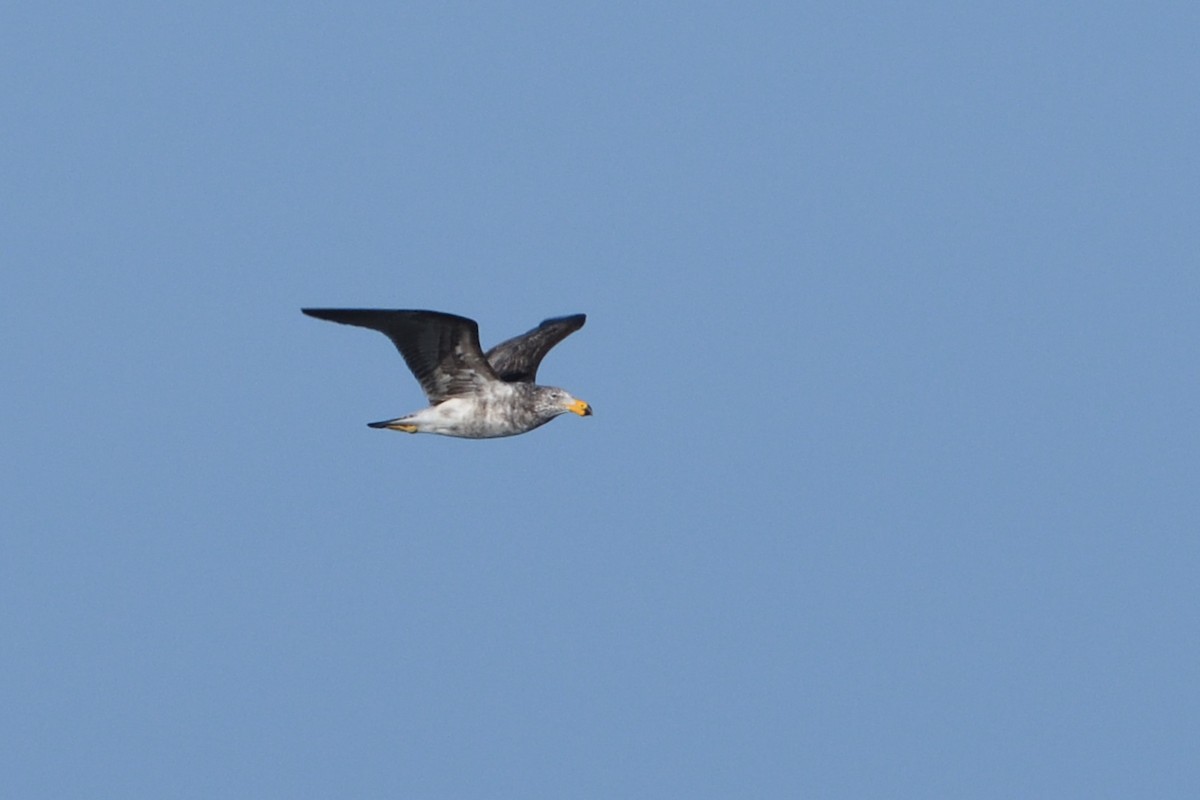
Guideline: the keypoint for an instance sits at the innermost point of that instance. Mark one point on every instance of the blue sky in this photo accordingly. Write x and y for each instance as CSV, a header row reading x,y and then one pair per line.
x,y
892,343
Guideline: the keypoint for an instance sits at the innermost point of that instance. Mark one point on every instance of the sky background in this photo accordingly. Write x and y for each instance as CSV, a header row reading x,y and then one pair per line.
x,y
892,340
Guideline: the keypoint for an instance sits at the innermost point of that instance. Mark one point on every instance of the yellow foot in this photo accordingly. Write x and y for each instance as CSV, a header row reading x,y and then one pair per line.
x,y
405,428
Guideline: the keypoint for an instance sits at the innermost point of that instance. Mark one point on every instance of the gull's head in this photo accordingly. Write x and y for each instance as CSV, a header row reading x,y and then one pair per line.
x,y
560,401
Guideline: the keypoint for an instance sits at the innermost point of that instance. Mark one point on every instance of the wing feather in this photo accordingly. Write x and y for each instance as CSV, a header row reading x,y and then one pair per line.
x,y
517,359
442,350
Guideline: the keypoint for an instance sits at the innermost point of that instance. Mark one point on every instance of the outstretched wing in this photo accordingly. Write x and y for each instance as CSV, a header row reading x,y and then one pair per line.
x,y
442,350
517,360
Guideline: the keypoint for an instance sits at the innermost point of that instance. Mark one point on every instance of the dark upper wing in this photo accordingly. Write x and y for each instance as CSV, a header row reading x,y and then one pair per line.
x,y
517,359
442,350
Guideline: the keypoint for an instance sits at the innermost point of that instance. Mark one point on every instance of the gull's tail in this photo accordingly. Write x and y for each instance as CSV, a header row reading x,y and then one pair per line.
x,y
398,424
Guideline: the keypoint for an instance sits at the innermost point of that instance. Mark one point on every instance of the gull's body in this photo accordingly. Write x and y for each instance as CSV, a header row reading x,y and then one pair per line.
x,y
471,395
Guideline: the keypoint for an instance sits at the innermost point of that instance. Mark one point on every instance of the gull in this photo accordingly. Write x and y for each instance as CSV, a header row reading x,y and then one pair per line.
x,y
472,395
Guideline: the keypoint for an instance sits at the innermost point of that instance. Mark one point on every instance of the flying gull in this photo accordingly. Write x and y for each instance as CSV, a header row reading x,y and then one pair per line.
x,y
471,395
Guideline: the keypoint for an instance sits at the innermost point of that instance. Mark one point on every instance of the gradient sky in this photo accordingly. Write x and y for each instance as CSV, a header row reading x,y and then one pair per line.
x,y
891,489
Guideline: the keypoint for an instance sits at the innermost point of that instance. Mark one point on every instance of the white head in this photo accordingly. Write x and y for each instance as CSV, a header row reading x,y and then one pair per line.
x,y
557,401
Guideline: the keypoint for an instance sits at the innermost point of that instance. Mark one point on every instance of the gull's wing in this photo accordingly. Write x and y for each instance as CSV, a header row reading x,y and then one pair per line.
x,y
442,350
517,359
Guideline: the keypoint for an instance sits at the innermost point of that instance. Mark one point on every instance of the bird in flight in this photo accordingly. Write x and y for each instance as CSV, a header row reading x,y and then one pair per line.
x,y
471,394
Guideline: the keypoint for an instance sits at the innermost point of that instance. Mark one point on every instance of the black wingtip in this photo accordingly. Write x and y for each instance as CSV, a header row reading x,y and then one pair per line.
x,y
382,424
574,320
